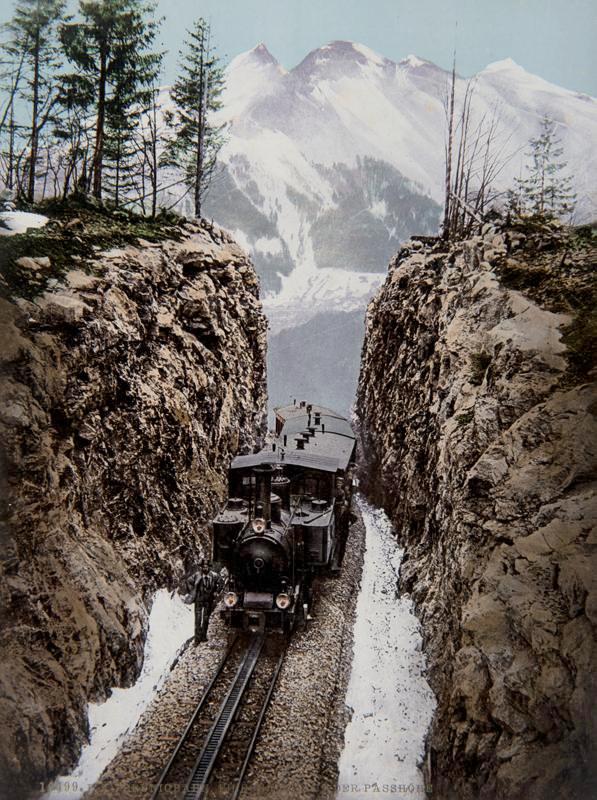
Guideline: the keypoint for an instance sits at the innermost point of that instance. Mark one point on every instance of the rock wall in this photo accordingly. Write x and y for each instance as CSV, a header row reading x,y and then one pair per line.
x,y
483,450
125,392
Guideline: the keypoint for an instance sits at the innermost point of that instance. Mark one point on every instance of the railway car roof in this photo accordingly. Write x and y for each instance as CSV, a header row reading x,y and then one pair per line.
x,y
288,412
301,458
326,445
329,450
336,425
337,441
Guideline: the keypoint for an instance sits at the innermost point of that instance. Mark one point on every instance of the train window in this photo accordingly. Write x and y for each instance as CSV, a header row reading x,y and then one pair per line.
x,y
312,486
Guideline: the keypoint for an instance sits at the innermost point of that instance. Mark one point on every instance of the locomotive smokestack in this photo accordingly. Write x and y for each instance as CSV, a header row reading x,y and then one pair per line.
x,y
263,489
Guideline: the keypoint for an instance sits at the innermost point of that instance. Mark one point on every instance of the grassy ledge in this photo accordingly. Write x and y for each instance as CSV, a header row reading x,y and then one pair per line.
x,y
77,231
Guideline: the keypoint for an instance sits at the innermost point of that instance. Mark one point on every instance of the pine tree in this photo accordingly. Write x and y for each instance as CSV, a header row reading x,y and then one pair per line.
x,y
73,132
545,191
195,141
111,48
33,47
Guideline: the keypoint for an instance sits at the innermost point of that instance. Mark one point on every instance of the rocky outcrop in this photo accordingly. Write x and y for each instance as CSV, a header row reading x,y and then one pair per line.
x,y
482,446
126,390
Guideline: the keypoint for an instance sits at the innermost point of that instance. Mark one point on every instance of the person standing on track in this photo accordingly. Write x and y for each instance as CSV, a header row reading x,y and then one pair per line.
x,y
204,585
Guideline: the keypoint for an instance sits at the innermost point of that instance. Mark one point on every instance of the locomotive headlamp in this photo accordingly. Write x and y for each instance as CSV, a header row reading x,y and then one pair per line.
x,y
230,599
283,601
258,525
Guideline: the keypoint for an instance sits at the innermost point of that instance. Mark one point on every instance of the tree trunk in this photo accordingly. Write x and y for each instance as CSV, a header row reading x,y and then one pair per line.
x,y
45,186
154,161
98,153
34,121
448,178
200,130
117,180
11,148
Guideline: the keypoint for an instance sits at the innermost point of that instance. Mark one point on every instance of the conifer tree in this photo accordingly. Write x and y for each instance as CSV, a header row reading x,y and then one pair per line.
x,y
112,50
33,47
73,133
545,191
196,141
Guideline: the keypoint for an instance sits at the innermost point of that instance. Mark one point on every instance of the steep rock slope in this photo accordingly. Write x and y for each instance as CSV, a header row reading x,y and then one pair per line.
x,y
125,393
481,442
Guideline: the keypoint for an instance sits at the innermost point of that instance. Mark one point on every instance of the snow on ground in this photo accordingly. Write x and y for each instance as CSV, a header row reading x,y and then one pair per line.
x,y
170,625
391,700
310,291
12,222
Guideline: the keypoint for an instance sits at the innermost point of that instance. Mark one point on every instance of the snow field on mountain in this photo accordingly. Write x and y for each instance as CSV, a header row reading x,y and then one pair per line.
x,y
345,102
294,134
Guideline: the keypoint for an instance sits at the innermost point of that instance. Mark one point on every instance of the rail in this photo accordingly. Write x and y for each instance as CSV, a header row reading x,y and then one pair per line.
x,y
219,730
241,776
185,734
240,684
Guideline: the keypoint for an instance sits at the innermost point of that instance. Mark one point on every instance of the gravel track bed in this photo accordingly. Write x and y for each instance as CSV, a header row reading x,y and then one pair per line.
x,y
302,735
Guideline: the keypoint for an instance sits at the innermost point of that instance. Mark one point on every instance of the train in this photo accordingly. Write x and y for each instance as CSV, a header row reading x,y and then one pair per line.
x,y
286,519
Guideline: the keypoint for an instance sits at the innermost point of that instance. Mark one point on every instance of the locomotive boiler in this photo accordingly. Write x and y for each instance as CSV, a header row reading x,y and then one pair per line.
x,y
286,518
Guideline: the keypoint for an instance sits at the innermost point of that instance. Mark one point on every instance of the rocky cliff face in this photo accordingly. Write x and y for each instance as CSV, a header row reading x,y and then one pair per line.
x,y
480,432
125,393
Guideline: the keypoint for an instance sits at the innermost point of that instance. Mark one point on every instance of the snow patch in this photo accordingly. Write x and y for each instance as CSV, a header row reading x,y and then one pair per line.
x,y
391,700
413,61
505,63
268,246
309,291
170,625
249,76
369,54
379,209
12,222
241,238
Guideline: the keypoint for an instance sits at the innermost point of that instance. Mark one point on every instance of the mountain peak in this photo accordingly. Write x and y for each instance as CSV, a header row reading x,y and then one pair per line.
x,y
503,65
341,57
345,50
412,61
261,52
259,56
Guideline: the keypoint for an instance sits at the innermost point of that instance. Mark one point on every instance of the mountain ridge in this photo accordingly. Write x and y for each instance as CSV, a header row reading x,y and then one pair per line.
x,y
350,134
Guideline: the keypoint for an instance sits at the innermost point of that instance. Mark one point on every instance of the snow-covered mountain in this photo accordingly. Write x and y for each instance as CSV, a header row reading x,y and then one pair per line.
x,y
330,165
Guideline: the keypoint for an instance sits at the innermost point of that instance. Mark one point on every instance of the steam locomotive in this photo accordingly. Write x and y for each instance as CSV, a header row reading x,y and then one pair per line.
x,y
286,519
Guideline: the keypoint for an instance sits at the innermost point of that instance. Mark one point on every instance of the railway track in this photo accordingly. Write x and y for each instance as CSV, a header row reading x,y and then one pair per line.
x,y
212,756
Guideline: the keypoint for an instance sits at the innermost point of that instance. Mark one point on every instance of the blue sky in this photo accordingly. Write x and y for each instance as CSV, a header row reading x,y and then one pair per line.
x,y
552,38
